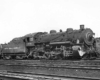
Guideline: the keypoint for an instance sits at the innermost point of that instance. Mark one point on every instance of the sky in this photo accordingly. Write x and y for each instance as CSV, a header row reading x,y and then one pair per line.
x,y
21,17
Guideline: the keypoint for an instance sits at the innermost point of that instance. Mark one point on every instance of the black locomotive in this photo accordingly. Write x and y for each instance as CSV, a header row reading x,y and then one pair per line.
x,y
69,44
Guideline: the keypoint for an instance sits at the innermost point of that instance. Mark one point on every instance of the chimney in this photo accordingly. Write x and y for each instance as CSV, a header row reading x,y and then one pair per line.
x,y
81,27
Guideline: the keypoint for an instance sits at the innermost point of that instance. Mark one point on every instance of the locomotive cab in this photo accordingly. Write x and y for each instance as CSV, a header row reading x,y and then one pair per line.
x,y
29,41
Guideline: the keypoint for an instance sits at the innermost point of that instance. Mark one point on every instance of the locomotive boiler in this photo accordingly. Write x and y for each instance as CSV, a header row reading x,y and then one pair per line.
x,y
69,44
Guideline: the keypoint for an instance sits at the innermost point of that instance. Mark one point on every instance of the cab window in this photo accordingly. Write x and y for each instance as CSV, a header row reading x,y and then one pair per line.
x,y
31,39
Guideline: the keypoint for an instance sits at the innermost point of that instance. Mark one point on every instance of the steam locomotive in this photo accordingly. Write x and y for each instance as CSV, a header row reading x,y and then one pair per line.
x,y
69,44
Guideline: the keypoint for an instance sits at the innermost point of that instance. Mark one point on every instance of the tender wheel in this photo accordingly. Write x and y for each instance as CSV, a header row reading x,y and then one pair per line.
x,y
7,57
19,57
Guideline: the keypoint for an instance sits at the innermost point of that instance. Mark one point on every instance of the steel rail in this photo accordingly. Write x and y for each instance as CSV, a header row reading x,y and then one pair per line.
x,y
30,62
45,68
32,76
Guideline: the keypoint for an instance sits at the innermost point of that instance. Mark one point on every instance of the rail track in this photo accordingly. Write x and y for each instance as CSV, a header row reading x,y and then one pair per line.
x,y
57,70
28,76
52,62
